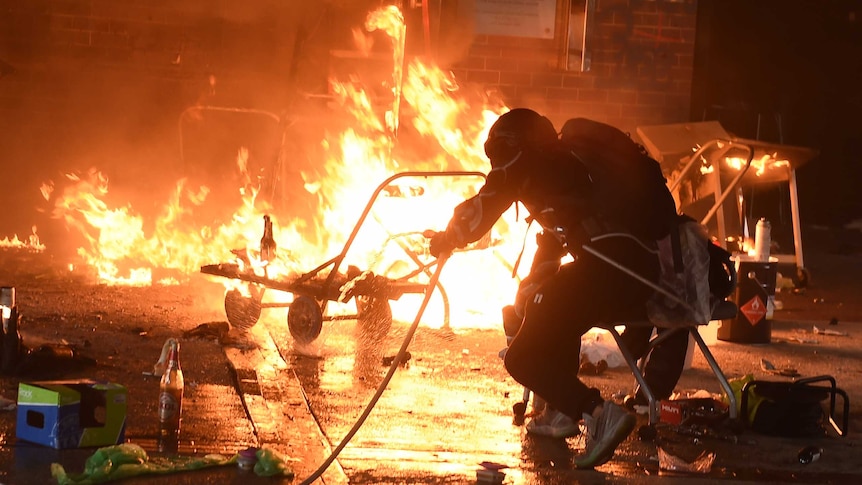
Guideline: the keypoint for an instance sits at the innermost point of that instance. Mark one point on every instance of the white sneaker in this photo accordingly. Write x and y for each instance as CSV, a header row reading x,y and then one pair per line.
x,y
552,423
604,434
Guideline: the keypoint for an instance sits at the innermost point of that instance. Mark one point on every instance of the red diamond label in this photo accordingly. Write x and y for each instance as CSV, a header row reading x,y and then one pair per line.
x,y
754,310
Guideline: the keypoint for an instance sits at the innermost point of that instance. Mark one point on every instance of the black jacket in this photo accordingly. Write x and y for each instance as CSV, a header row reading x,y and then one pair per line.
x,y
552,185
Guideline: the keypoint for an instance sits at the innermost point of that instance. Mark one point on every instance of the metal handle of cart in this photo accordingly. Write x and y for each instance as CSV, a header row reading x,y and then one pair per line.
x,y
312,294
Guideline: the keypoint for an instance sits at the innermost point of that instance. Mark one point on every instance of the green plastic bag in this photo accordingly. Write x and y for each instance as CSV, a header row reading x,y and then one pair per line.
x,y
754,400
270,464
127,460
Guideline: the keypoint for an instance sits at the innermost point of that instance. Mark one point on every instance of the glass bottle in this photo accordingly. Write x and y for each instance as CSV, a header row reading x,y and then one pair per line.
x,y
267,242
171,395
10,338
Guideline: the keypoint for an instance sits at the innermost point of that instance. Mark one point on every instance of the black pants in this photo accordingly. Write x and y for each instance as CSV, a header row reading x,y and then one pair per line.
x,y
578,297
665,362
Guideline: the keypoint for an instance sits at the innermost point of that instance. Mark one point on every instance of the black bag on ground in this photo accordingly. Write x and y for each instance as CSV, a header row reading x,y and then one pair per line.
x,y
794,409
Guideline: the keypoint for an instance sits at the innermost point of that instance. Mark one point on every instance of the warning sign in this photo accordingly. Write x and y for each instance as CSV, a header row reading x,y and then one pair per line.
x,y
754,310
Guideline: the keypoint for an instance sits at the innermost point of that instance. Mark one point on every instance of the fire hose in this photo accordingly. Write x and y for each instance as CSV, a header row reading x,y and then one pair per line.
x,y
399,358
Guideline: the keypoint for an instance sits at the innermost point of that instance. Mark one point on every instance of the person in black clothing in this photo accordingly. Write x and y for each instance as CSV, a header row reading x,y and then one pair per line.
x,y
664,365
529,165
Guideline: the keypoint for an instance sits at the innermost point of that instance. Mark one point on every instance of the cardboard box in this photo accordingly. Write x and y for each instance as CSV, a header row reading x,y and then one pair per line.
x,y
71,413
691,411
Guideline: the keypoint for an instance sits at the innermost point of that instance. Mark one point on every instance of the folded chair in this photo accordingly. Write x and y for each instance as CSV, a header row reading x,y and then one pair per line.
x,y
721,311
724,310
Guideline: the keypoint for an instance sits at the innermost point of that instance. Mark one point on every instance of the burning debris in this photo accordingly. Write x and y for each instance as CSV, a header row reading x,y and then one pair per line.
x,y
429,124
32,243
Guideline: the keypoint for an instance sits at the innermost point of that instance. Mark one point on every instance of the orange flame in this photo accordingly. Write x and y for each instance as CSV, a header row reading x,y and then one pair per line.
x,y
760,165
477,282
31,244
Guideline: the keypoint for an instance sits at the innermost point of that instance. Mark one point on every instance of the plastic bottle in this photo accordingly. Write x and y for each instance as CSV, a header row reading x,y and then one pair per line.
x,y
267,242
171,395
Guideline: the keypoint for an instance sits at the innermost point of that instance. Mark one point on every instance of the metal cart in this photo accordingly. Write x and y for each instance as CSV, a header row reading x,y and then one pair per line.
x,y
314,289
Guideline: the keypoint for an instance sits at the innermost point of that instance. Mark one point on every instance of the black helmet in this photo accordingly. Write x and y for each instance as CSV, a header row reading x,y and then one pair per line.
x,y
516,130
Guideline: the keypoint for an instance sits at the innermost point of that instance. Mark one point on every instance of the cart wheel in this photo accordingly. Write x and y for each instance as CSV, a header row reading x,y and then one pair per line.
x,y
304,319
242,311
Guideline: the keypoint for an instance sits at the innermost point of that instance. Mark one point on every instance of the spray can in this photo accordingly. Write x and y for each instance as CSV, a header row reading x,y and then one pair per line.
x,y
762,243
762,240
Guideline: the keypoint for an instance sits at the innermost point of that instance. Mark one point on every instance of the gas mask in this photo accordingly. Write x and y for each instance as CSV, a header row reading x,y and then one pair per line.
x,y
503,149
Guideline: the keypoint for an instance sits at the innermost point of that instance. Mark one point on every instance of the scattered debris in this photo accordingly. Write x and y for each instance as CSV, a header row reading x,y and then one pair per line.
x,y
670,463
599,345
129,460
389,359
783,283
693,394
490,472
698,431
593,369
247,459
809,454
217,330
7,404
821,331
804,340
699,411
767,366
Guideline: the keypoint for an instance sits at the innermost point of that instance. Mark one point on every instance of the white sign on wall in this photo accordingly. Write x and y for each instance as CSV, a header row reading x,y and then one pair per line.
x,y
516,18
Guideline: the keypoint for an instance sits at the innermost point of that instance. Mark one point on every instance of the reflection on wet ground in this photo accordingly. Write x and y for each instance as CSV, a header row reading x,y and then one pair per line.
x,y
449,408
434,415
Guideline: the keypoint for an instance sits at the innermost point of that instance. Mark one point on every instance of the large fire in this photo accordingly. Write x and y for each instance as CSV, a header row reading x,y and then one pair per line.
x,y
125,249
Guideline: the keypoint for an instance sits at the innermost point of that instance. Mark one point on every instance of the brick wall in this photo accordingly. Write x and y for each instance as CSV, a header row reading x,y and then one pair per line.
x,y
641,70
84,62
110,56
103,82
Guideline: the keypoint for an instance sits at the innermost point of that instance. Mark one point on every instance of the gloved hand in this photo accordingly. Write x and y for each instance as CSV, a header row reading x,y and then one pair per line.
x,y
440,244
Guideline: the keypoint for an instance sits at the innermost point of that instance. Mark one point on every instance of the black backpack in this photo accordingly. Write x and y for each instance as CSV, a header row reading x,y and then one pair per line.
x,y
629,188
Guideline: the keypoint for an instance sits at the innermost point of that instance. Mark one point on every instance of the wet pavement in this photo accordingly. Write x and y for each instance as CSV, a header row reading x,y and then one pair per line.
x,y
446,410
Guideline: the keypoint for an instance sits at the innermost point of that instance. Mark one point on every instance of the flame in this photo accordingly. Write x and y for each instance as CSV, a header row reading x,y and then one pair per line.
x,y
31,244
125,249
760,165
391,21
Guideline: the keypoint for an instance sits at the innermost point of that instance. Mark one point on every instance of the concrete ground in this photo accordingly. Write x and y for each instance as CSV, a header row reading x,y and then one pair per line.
x,y
446,411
